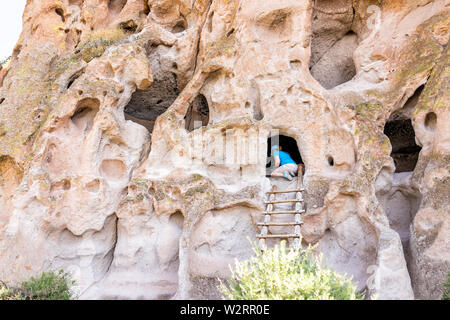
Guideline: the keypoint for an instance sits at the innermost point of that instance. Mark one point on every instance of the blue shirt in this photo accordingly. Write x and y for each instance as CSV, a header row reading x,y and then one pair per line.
x,y
285,158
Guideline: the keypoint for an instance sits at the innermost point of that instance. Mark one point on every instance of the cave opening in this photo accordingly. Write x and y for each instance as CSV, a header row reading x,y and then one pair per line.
x,y
60,13
400,132
85,112
430,121
405,151
147,105
333,42
402,200
197,115
287,144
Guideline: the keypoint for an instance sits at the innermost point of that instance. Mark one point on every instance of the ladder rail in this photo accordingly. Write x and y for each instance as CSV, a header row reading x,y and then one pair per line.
x,y
299,209
283,236
299,206
283,201
284,212
265,229
280,224
286,191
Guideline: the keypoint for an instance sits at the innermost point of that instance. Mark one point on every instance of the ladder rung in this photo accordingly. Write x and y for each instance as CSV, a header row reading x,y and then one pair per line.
x,y
285,191
279,236
282,201
284,212
262,224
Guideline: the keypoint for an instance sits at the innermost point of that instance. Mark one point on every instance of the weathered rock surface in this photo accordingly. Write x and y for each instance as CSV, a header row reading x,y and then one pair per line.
x,y
133,140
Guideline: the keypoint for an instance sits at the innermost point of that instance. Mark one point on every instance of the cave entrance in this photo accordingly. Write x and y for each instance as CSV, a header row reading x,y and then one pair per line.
x,y
287,144
405,151
333,42
402,201
146,106
400,132
197,115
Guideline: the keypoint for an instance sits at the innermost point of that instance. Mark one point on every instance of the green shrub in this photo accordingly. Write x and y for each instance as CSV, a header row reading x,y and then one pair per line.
x,y
446,294
8,294
287,274
48,286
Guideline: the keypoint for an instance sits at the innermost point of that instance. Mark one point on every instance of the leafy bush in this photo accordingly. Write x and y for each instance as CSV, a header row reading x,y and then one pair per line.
x,y
8,294
48,286
446,294
287,274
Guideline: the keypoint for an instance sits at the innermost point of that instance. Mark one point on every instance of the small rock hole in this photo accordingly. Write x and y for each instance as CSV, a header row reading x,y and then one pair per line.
x,y
60,13
146,8
180,26
129,26
430,121
84,115
230,32
197,114
73,78
330,161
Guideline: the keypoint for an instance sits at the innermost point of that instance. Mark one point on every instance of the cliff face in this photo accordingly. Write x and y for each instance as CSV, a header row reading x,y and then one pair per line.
x,y
133,140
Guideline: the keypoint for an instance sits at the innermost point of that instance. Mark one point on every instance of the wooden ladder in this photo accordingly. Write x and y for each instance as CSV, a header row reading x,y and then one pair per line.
x,y
297,213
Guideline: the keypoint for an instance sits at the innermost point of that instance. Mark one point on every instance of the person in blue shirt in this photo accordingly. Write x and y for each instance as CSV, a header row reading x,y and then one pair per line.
x,y
285,166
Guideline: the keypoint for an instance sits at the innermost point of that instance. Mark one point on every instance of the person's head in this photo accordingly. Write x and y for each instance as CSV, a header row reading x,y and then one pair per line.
x,y
275,148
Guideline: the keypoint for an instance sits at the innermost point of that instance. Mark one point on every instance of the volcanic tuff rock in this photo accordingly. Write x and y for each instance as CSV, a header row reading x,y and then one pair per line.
x,y
133,140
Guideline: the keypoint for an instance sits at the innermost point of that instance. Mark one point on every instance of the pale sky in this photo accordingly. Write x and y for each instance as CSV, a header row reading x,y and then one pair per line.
x,y
10,25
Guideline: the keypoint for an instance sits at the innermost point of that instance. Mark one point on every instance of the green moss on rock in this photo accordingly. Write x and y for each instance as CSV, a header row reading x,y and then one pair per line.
x,y
98,42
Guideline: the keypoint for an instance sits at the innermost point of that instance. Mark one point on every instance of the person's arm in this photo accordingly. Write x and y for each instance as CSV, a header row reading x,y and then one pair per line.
x,y
277,161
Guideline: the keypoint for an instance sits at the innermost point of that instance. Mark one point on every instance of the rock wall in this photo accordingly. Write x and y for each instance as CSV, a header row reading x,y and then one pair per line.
x,y
133,140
